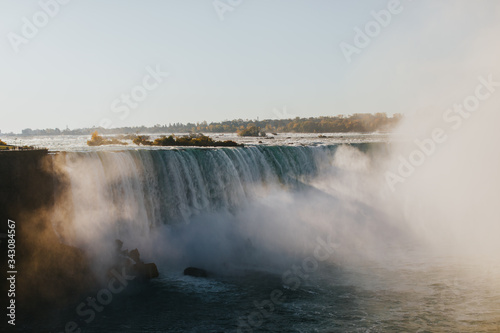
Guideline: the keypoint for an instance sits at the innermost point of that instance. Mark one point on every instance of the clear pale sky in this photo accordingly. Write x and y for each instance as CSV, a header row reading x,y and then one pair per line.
x,y
266,59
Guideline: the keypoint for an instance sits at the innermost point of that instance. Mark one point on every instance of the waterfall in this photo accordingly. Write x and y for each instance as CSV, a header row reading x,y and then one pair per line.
x,y
257,205
147,188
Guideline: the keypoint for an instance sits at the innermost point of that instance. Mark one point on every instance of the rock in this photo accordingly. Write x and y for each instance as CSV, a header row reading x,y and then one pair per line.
x,y
196,272
145,271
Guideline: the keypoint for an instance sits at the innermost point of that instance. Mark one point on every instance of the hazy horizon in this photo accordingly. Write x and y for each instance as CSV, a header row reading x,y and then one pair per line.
x,y
199,123
256,59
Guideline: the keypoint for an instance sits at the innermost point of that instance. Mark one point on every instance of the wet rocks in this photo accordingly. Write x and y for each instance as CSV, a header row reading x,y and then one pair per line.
x,y
196,272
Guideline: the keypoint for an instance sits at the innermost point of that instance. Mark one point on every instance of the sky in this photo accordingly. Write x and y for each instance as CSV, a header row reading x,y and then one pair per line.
x,y
75,63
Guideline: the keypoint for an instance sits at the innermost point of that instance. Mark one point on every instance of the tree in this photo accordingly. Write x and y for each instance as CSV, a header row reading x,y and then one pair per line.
x,y
252,130
95,140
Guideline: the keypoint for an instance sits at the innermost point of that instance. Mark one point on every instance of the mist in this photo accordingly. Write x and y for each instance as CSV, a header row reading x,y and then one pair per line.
x,y
265,222
450,184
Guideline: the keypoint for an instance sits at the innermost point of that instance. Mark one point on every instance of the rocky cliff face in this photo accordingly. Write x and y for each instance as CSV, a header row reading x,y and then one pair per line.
x,y
26,183
49,273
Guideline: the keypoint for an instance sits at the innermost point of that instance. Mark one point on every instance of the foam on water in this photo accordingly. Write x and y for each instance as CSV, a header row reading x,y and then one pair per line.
x,y
249,215
79,142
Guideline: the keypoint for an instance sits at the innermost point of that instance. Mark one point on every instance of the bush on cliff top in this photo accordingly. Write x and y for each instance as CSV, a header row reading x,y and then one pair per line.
x,y
252,131
198,140
98,140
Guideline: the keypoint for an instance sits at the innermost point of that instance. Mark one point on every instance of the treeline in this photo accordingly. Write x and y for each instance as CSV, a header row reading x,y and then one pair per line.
x,y
359,122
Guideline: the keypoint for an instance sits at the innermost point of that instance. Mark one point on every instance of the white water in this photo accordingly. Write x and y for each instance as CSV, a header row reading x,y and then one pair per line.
x,y
261,208
79,142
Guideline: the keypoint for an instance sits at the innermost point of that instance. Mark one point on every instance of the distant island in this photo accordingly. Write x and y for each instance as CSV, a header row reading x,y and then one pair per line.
x,y
359,123
192,140
251,130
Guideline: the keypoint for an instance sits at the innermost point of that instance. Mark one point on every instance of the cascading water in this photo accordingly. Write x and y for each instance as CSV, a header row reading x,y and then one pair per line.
x,y
252,217
189,206
149,188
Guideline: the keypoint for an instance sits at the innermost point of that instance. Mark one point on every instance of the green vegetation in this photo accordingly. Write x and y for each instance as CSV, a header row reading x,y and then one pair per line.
x,y
198,140
251,130
98,140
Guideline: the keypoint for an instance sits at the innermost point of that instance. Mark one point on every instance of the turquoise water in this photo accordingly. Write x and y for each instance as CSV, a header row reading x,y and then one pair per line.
x,y
333,299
